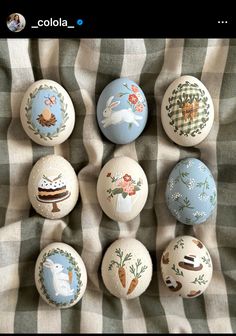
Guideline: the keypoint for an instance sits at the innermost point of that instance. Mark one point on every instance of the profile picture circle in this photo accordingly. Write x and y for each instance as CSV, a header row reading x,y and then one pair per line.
x,y
16,22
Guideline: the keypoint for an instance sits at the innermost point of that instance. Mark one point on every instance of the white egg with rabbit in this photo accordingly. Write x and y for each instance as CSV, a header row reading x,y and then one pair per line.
x,y
122,111
60,275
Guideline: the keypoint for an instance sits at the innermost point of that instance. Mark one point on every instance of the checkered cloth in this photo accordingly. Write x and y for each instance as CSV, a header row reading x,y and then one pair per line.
x,y
84,68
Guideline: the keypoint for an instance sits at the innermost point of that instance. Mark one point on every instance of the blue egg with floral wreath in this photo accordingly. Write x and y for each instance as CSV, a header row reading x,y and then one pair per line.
x,y
60,275
122,111
47,113
191,193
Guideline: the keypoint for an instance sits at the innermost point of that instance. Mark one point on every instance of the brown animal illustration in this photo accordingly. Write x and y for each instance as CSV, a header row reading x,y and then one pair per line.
x,y
190,110
165,258
198,243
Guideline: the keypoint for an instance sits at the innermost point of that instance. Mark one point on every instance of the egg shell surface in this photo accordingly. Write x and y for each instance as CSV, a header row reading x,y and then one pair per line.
x,y
53,187
191,193
126,268
47,113
122,188
122,111
187,111
186,267
60,275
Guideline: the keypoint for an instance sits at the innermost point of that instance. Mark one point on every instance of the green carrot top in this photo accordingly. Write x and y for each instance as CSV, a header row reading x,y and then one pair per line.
x,y
134,269
122,260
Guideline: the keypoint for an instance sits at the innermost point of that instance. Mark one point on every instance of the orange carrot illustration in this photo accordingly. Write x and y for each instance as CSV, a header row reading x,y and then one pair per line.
x,y
70,275
136,274
120,265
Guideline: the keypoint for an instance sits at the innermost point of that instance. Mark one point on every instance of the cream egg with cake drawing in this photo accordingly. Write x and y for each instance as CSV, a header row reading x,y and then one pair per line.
x,y
53,187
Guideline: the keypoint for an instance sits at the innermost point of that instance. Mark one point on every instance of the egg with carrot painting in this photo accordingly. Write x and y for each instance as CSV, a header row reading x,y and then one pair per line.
x,y
127,268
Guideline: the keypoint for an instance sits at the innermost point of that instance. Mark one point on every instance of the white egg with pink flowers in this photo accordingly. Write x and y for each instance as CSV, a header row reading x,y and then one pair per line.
x,y
122,188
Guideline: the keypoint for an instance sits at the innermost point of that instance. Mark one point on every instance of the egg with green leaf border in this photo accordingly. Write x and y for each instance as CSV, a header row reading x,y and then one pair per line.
x,y
60,275
47,113
187,111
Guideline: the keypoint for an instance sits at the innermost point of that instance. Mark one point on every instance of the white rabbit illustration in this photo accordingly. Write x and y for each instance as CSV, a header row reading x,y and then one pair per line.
x,y
124,115
60,280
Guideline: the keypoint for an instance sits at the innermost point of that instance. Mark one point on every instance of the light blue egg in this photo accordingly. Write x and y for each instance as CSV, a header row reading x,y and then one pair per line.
x,y
59,275
191,193
122,111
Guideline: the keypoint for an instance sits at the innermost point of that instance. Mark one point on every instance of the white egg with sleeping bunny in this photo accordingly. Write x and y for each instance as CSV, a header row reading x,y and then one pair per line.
x,y
60,275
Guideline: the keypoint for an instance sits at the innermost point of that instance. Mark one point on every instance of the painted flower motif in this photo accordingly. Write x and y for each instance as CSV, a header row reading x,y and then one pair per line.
x,y
176,196
199,214
203,196
188,163
140,97
133,99
124,185
134,88
177,214
202,167
108,174
127,178
117,176
139,107
171,183
129,189
190,184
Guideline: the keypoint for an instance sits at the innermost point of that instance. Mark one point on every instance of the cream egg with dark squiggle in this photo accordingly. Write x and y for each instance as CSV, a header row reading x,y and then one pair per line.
x,y
186,267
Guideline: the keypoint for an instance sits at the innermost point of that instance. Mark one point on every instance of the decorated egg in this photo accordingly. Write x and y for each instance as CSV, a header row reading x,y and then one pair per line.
x,y
191,193
122,111
122,188
126,268
47,113
53,187
187,111
186,267
60,275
